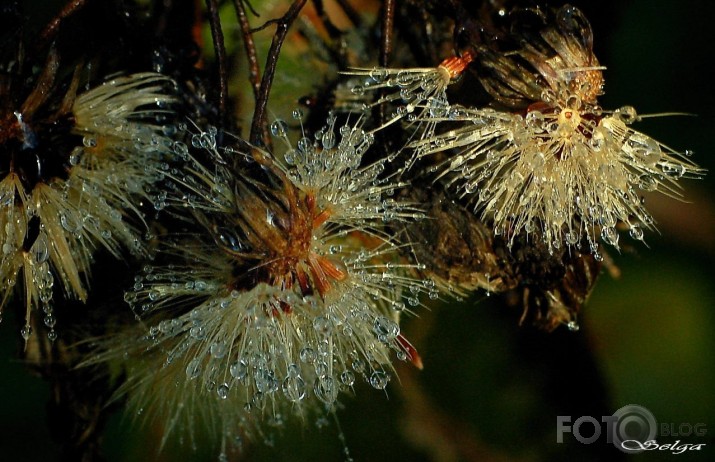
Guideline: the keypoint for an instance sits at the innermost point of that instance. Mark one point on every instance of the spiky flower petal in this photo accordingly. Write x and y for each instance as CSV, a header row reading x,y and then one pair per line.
x,y
51,225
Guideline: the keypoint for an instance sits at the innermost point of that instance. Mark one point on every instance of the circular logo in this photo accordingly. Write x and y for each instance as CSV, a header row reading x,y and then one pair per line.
x,y
633,427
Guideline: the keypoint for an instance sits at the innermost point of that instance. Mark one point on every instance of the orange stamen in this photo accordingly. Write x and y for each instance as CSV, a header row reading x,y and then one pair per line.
x,y
304,282
456,64
310,202
331,268
322,284
321,218
411,351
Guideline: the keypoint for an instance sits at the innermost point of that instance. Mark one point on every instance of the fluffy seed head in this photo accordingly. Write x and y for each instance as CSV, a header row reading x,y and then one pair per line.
x,y
295,295
561,167
561,171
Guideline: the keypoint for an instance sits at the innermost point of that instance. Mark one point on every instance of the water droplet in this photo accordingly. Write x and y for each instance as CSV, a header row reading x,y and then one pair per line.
x,y
50,321
535,120
279,128
294,388
438,107
238,370
627,114
673,170
358,365
70,222
328,139
193,369
322,326
197,332
379,379
636,232
378,74
388,328
218,350
154,295
265,381
76,157
347,378
222,391
647,182
26,332
40,249
644,148
610,236
307,355
325,390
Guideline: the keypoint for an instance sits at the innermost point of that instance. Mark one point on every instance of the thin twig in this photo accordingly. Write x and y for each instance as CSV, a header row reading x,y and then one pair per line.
x,y
253,10
220,50
388,21
254,70
258,126
387,29
53,26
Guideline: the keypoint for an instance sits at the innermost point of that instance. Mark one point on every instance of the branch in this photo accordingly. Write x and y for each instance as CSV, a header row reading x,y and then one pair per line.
x,y
220,49
53,26
258,126
388,21
254,71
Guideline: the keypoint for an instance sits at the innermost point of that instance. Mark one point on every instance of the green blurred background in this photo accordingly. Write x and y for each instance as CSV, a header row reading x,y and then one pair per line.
x,y
491,390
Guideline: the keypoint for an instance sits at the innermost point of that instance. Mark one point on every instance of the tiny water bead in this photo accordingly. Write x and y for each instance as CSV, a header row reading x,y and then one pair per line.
x,y
218,350
294,388
193,368
379,379
347,378
239,370
26,332
307,355
279,128
326,390
386,328
223,391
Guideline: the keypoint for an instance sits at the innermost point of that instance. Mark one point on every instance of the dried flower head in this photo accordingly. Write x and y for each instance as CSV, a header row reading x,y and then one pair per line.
x,y
566,172
555,55
294,295
68,183
561,168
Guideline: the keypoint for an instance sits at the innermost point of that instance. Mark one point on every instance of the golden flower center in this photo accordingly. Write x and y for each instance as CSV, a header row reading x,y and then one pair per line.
x,y
297,261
